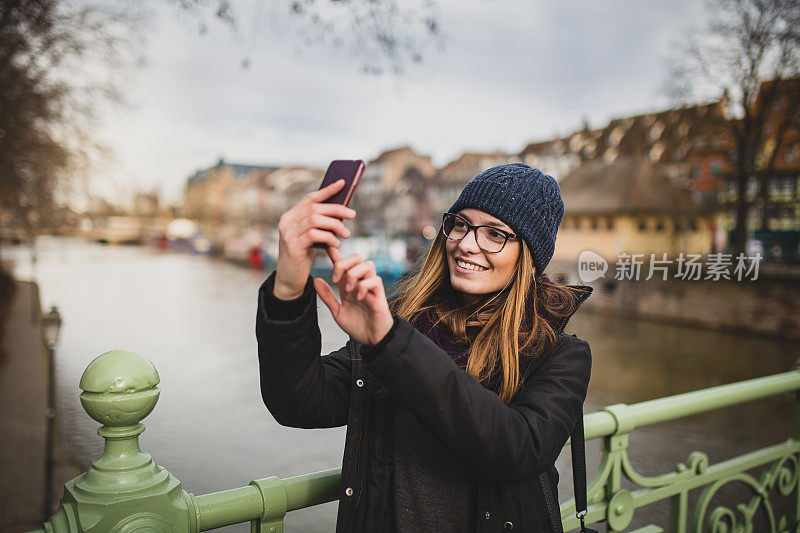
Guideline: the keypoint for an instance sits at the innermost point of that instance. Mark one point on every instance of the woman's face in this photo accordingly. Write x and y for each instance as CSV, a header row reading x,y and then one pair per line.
x,y
495,269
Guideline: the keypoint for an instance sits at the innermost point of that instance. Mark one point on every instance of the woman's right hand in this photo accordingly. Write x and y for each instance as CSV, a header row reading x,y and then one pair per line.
x,y
306,223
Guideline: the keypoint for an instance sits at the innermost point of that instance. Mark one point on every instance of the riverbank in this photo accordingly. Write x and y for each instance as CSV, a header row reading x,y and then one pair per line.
x,y
769,306
23,395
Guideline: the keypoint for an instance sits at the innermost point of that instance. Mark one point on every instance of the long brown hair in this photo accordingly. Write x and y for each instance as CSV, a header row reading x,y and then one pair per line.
x,y
517,319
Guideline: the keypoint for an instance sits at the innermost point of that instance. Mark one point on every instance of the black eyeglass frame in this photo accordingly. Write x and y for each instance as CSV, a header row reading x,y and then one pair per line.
x,y
474,229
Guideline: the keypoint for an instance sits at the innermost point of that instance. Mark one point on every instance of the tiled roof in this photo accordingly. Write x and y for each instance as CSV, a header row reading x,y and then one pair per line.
x,y
538,148
626,185
662,137
198,176
392,152
461,170
241,171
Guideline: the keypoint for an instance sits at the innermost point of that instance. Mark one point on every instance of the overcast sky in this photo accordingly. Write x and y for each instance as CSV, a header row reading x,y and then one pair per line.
x,y
511,72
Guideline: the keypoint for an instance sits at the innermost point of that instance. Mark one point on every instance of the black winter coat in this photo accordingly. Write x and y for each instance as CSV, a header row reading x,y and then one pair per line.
x,y
505,446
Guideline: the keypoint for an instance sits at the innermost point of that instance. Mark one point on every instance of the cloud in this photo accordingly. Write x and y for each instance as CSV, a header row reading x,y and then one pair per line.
x,y
511,72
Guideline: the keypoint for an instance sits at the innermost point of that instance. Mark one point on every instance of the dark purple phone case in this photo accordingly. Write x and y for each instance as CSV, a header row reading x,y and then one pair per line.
x,y
350,171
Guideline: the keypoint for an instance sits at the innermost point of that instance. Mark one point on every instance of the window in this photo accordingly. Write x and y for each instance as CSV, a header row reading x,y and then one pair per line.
x,y
642,225
595,224
716,167
787,219
693,224
752,188
659,225
656,151
774,186
609,223
732,190
576,223
655,131
792,153
615,136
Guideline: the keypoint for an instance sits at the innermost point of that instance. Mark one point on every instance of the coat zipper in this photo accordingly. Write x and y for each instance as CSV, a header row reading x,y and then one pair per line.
x,y
358,467
360,441
544,482
552,513
525,373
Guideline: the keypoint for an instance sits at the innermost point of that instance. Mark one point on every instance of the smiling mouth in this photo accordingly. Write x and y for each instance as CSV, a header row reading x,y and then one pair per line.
x,y
470,266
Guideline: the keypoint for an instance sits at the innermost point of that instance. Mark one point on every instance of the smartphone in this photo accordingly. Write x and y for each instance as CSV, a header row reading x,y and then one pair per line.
x,y
350,171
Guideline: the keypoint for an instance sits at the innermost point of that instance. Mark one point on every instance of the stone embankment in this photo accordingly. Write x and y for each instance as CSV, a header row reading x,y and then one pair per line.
x,y
23,418
768,306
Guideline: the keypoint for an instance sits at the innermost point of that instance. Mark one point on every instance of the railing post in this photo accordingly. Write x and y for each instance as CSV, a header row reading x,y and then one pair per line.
x,y
123,490
275,502
619,501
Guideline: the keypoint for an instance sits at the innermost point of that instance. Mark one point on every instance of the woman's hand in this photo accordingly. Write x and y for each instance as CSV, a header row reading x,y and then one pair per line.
x,y
364,312
309,222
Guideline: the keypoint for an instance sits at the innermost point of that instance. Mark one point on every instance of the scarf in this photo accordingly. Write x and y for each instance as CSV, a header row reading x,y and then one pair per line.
x,y
439,334
458,350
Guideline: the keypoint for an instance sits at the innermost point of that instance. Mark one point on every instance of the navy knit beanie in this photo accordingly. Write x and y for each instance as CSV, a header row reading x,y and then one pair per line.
x,y
525,198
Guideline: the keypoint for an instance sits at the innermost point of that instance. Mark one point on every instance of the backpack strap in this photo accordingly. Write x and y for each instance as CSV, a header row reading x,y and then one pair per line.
x,y
578,448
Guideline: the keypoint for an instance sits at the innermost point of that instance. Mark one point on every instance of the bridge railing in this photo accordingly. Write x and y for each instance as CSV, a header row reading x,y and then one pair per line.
x,y
125,491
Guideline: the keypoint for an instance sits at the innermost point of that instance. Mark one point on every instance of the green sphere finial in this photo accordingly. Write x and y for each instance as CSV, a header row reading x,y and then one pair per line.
x,y
124,490
119,388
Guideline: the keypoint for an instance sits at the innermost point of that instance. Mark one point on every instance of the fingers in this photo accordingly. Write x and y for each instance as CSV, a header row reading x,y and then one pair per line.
x,y
343,265
352,276
324,222
309,214
315,235
334,210
335,256
327,295
324,193
373,284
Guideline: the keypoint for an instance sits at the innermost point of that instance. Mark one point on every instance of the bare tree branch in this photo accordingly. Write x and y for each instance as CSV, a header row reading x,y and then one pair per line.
x,y
384,36
745,44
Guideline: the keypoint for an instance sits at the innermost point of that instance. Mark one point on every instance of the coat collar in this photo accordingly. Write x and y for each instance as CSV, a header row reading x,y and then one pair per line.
x,y
583,292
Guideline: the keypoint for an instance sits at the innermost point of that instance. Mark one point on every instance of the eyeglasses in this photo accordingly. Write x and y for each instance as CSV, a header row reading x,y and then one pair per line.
x,y
490,239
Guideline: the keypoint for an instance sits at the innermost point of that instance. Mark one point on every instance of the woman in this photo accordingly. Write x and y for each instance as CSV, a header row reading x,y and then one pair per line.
x,y
459,395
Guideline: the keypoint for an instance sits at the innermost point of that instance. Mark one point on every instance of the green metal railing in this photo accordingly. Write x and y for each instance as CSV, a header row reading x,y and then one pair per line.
x,y
124,491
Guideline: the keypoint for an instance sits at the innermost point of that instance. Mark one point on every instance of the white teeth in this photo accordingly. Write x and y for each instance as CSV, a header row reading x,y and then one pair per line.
x,y
469,266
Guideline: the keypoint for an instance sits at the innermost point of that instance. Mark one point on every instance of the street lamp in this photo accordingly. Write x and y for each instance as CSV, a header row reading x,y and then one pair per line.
x,y
51,326
51,323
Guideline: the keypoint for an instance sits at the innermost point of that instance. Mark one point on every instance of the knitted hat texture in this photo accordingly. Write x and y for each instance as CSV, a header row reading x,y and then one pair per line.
x,y
525,198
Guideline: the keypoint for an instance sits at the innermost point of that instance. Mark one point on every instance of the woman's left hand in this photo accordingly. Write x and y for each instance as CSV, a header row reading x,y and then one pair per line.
x,y
363,312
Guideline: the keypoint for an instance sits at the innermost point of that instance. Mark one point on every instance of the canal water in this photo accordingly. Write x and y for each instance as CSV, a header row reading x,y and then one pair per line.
x,y
194,318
